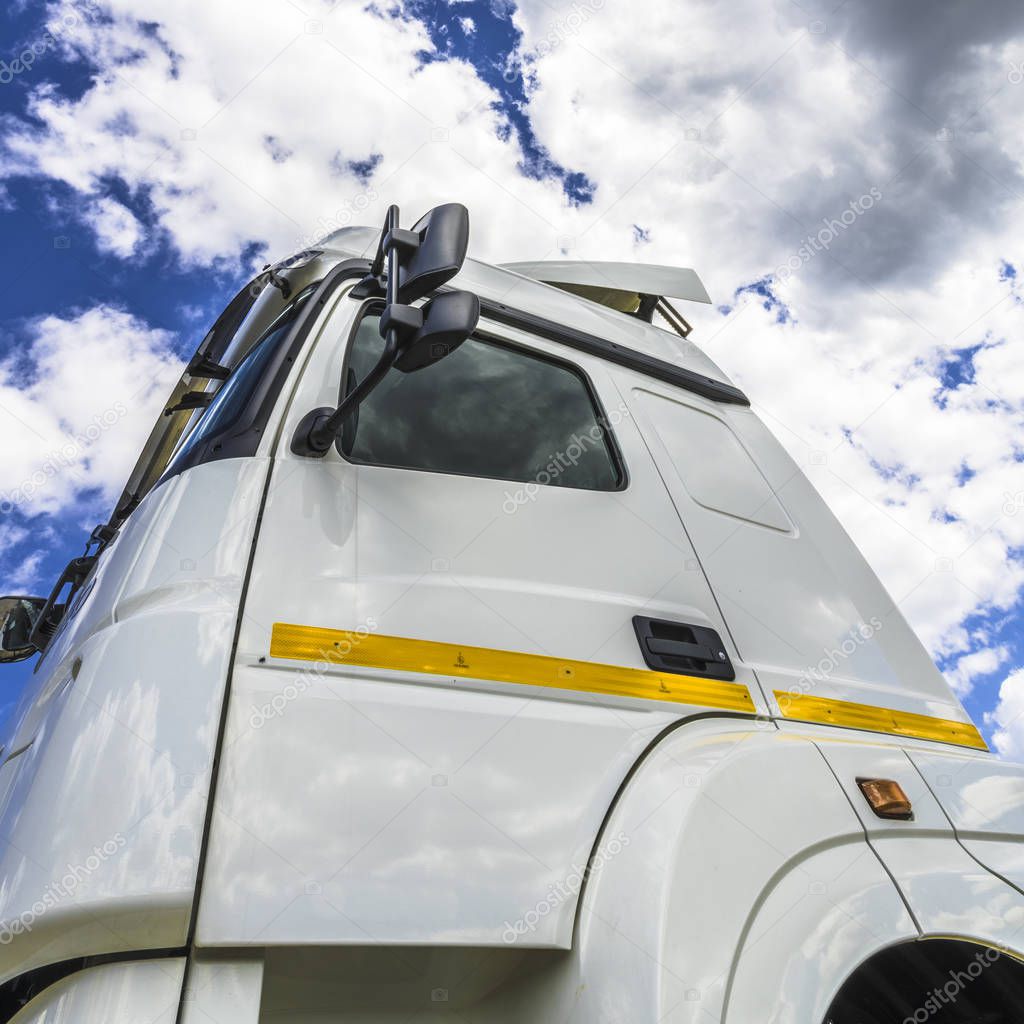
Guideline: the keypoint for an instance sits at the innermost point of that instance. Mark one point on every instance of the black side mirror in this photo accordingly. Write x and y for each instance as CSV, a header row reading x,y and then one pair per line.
x,y
448,320
432,253
18,616
418,261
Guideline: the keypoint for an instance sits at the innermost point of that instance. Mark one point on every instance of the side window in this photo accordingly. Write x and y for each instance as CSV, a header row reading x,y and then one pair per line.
x,y
488,410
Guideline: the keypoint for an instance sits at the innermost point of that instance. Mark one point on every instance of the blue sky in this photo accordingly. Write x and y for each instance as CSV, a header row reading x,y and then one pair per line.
x,y
53,267
847,186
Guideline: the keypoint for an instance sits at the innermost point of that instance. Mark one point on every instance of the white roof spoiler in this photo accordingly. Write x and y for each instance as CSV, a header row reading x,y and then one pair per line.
x,y
640,289
638,278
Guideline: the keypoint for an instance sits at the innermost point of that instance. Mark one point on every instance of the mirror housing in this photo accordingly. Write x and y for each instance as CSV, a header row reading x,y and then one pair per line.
x,y
18,616
448,320
432,253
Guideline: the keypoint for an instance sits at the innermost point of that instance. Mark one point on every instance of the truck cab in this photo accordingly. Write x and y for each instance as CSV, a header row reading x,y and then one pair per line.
x,y
464,647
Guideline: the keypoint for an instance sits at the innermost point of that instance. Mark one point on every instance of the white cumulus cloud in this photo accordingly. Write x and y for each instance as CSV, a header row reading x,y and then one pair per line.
x,y
76,402
117,229
1008,717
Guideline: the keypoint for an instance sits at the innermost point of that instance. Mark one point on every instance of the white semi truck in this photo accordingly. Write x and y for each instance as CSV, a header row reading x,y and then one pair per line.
x,y
464,648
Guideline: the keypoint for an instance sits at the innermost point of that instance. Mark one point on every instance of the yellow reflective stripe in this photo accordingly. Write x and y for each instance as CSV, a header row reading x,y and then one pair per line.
x,y
874,719
400,654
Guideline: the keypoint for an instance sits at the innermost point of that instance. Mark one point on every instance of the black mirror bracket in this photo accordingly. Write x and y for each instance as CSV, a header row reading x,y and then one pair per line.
x,y
308,438
400,238
404,320
370,287
52,613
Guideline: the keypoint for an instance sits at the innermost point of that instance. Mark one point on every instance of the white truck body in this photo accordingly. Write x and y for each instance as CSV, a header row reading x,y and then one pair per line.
x,y
321,740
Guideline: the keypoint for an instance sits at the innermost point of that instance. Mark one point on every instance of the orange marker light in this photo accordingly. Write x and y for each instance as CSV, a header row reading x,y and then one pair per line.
x,y
887,798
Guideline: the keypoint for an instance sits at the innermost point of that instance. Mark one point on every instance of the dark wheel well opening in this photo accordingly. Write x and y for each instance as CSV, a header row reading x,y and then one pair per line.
x,y
939,981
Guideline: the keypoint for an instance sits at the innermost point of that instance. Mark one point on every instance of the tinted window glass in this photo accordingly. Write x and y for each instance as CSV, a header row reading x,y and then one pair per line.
x,y
485,410
232,401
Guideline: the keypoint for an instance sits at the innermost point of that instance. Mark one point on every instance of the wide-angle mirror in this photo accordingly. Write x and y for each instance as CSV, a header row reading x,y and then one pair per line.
x,y
432,253
17,617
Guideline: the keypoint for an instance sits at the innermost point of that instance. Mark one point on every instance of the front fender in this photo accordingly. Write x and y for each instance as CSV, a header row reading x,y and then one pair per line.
x,y
740,843
749,879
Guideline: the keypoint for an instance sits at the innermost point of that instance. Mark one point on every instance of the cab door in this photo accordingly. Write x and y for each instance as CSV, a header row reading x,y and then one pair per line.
x,y
439,685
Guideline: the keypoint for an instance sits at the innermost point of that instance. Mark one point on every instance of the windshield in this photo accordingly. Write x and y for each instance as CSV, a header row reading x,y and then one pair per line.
x,y
248,317
230,405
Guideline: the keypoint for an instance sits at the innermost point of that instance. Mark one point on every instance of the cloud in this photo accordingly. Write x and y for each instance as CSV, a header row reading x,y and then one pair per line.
x,y
117,229
1007,719
811,130
975,665
760,143
11,536
26,573
76,402
181,120
945,52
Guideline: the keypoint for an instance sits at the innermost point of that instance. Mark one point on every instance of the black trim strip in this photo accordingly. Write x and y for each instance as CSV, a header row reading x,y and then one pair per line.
x,y
659,369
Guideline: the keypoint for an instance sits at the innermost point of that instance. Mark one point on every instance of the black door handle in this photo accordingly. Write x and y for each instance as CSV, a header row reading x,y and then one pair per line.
x,y
682,648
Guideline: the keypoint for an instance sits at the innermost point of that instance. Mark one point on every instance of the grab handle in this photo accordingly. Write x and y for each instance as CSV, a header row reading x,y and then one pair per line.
x,y
682,648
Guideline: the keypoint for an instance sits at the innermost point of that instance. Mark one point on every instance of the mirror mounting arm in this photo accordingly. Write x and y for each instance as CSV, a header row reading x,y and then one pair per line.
x,y
318,429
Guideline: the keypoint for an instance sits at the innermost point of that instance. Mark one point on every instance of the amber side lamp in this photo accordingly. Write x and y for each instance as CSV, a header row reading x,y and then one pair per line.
x,y
887,799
